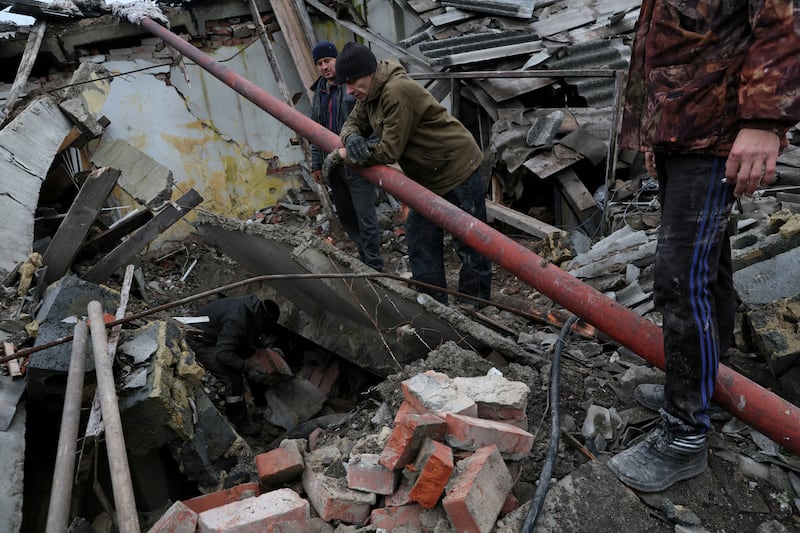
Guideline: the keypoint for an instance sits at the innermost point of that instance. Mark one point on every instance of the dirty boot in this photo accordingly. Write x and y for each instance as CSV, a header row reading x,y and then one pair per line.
x,y
237,414
660,460
651,396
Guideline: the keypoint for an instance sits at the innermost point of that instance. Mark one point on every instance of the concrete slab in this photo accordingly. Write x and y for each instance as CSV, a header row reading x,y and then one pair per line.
x,y
12,472
377,324
68,297
28,145
769,280
142,177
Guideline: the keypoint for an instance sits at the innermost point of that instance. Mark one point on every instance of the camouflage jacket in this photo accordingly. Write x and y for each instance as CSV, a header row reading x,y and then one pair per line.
x,y
701,70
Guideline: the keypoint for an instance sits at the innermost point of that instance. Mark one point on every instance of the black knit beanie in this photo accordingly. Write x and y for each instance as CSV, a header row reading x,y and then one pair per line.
x,y
324,49
355,61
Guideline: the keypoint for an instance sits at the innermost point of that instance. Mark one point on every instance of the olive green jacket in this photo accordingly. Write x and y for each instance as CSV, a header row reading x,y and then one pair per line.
x,y
414,130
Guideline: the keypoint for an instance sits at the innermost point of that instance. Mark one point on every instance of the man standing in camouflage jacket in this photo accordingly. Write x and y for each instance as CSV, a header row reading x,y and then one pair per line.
x,y
713,87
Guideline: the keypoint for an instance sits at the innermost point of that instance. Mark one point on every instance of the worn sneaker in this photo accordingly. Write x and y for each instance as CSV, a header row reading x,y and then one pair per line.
x,y
651,396
660,460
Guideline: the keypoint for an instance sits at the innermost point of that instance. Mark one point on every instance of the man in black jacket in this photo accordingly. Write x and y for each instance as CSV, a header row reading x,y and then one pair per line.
x,y
235,328
353,196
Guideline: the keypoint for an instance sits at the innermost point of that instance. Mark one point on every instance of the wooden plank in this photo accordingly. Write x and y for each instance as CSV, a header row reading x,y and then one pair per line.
x,y
580,204
73,229
575,191
372,37
12,364
94,426
545,165
123,253
321,190
26,64
535,227
111,237
297,41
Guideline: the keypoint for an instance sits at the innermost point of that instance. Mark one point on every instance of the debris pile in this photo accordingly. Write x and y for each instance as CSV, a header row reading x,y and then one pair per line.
x,y
448,456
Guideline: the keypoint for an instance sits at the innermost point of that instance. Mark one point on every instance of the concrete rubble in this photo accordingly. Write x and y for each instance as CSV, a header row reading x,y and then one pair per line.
x,y
388,411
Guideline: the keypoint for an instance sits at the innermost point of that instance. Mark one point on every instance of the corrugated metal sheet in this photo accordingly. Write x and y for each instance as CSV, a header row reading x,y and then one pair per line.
x,y
507,8
604,54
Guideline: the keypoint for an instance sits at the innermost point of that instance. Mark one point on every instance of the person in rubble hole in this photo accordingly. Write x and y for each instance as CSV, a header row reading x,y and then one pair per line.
x,y
237,326
353,196
432,148
711,92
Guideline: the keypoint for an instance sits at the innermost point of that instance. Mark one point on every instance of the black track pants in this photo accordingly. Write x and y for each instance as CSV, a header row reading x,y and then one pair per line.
x,y
693,281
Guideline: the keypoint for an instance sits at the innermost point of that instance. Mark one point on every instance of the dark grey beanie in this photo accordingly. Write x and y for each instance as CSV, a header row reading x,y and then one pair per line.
x,y
355,61
324,49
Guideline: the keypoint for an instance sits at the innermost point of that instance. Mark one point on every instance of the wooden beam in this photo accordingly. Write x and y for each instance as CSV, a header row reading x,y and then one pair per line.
x,y
297,41
111,237
273,63
13,366
295,23
73,229
372,37
125,251
535,227
26,64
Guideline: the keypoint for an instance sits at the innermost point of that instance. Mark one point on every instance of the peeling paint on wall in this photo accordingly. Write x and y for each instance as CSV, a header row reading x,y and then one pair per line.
x,y
238,157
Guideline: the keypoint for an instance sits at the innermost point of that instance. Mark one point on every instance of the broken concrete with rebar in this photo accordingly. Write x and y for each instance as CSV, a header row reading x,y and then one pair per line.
x,y
188,185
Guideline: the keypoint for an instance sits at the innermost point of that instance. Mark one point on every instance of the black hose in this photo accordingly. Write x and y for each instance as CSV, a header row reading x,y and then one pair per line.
x,y
555,432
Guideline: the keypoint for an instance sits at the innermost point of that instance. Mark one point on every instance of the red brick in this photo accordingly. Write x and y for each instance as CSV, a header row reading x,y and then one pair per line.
x,y
329,378
404,410
222,497
254,515
407,437
389,518
365,473
333,500
313,439
279,465
477,491
272,361
471,433
435,392
434,467
511,504
177,519
497,397
316,524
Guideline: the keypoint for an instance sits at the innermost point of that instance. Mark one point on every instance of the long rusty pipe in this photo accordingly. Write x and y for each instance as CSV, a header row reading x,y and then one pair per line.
x,y
770,414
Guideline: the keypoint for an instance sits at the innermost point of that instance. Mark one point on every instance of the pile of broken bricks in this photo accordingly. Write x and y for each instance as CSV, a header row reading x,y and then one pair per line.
x,y
448,458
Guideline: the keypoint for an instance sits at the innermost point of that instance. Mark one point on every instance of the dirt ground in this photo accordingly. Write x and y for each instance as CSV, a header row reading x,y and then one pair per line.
x,y
730,497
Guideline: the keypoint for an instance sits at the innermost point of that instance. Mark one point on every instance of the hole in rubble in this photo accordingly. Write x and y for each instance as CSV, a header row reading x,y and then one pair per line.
x,y
156,476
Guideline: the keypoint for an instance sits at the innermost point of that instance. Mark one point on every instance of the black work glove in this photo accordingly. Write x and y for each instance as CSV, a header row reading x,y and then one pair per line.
x,y
256,373
331,161
357,150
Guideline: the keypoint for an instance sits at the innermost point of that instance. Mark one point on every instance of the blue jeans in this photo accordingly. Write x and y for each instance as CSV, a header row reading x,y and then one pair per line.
x,y
354,198
426,246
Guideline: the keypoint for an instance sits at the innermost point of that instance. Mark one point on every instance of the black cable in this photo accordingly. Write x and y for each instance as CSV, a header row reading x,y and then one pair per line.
x,y
555,431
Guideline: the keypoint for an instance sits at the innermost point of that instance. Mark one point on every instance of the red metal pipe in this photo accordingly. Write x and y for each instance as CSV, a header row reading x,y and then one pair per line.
x,y
770,414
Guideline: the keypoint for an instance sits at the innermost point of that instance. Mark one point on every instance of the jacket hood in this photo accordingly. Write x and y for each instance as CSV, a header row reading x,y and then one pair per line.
x,y
385,71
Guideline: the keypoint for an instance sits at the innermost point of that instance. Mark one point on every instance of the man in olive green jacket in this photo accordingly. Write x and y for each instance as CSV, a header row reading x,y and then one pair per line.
x,y
431,146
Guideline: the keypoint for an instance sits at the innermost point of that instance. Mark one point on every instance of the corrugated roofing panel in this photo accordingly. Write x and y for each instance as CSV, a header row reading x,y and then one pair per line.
x,y
508,8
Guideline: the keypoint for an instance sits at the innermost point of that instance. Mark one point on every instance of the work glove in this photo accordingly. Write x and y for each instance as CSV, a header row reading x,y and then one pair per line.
x,y
317,176
332,160
256,373
357,150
